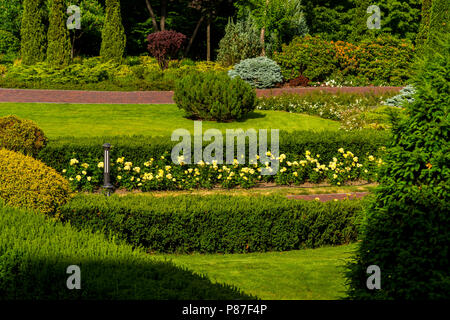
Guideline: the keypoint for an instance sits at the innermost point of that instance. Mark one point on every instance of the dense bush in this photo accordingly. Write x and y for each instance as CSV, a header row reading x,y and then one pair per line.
x,y
36,252
241,41
260,72
218,223
8,42
308,56
214,96
408,225
139,149
380,61
164,45
26,182
21,135
385,60
113,32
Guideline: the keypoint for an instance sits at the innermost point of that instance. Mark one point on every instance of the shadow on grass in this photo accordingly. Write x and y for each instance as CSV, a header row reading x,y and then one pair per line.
x,y
142,279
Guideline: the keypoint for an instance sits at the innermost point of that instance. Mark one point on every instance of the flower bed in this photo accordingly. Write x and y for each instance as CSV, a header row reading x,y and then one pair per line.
x,y
162,174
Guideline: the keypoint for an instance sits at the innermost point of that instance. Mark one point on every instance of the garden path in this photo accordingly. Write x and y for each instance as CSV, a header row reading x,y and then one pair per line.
x,y
147,97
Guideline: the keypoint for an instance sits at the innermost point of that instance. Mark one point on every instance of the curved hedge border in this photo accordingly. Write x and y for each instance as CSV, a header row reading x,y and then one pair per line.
x,y
218,224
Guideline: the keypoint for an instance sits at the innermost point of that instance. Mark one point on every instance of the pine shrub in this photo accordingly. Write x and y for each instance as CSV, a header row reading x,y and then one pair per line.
x,y
214,96
408,226
260,72
241,41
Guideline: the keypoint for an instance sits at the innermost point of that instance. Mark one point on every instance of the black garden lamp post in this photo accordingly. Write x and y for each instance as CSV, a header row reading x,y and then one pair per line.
x,y
106,173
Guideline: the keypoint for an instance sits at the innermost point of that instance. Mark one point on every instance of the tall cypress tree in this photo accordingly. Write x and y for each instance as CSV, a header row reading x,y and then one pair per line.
x,y
32,32
439,23
59,47
113,33
424,28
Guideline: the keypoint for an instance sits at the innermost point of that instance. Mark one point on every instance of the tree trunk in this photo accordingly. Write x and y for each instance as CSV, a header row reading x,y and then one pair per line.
x,y
263,41
194,34
163,15
208,41
152,15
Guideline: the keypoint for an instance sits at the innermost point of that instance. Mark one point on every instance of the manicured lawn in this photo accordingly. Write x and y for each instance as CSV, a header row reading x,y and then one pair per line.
x,y
150,120
310,274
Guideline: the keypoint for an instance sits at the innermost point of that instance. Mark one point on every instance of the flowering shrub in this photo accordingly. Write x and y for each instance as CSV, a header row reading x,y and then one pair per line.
x,y
325,105
162,174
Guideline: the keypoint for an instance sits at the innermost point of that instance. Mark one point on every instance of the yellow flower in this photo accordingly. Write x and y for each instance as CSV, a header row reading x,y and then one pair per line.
x,y
85,165
84,173
64,171
73,162
371,158
119,177
120,160
78,177
137,169
295,173
341,150
89,178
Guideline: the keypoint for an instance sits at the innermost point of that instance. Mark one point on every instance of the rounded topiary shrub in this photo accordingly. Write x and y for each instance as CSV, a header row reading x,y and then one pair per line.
x,y
21,135
260,72
28,183
214,96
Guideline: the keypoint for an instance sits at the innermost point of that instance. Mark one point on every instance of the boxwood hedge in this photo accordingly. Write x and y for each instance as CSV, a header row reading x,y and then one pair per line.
x,y
140,149
218,224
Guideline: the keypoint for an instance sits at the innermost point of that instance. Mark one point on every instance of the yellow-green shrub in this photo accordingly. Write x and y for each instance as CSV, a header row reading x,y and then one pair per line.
x,y
21,135
27,182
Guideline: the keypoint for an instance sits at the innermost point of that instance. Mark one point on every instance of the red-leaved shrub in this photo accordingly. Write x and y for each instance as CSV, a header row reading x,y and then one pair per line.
x,y
164,45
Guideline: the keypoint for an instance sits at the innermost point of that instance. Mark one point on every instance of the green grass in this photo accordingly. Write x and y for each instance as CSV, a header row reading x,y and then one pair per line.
x,y
83,120
310,274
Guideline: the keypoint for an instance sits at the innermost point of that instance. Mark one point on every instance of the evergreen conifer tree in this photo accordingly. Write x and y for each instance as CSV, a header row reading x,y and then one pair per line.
x,y
59,47
113,33
32,32
407,233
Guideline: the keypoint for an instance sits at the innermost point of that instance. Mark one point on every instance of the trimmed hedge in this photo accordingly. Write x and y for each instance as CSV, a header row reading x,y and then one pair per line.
x,y
35,253
26,182
212,224
140,149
